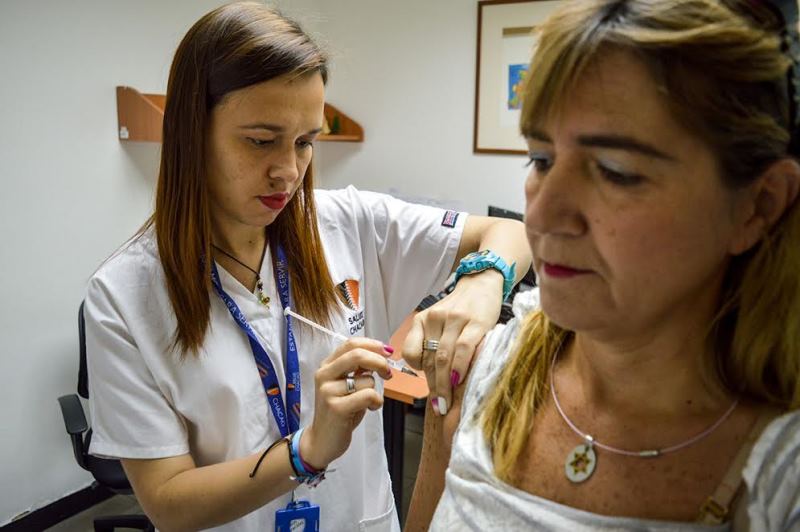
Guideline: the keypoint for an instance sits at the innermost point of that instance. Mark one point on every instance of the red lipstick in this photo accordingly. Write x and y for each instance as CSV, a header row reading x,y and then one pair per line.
x,y
275,201
561,272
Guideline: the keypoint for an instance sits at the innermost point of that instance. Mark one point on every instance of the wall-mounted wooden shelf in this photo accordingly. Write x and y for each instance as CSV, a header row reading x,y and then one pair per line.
x,y
140,117
343,128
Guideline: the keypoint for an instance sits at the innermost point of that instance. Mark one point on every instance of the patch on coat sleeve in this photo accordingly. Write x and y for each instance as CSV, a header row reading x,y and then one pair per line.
x,y
449,219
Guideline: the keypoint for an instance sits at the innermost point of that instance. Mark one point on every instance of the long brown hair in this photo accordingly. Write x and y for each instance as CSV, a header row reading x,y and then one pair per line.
x,y
725,78
232,47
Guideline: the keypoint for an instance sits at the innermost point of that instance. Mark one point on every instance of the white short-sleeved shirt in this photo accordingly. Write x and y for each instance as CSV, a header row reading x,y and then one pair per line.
x,y
146,402
475,499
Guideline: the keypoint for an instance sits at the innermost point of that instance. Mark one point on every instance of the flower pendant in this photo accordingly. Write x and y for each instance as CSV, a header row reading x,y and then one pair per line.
x,y
580,463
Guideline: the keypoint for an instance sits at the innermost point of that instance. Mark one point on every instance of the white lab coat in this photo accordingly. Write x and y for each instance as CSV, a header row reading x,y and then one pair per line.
x,y
148,403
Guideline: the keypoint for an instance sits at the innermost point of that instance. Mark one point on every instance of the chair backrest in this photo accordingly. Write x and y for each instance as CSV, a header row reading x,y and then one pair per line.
x,y
107,471
83,376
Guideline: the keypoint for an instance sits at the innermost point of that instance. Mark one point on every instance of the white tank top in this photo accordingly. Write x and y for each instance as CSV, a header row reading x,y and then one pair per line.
x,y
475,499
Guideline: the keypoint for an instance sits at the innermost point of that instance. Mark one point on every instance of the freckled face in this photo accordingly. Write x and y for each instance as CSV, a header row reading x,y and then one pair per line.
x,y
260,146
626,214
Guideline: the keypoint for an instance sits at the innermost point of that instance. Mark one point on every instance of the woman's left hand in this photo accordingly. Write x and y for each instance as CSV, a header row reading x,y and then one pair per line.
x,y
459,323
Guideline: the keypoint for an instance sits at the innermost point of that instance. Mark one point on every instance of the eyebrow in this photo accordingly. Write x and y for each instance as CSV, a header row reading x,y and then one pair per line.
x,y
614,142
274,128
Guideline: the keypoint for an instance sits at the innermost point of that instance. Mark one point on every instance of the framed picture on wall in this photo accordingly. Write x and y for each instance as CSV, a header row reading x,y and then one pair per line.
x,y
505,45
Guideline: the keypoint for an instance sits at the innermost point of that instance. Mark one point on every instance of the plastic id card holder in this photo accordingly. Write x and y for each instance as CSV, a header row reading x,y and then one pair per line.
x,y
298,516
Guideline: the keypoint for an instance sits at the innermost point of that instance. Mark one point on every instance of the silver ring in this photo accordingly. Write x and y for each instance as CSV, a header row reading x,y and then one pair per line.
x,y
350,384
430,345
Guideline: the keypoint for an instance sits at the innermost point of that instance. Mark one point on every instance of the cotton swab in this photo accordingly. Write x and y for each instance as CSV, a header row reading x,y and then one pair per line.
x,y
396,364
289,312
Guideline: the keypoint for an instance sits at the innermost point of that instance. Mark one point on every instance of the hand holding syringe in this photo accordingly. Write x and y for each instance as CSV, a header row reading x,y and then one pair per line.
x,y
396,364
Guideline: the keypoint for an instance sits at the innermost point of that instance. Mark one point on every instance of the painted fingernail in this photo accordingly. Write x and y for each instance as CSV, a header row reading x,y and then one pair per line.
x,y
442,406
455,378
389,349
435,404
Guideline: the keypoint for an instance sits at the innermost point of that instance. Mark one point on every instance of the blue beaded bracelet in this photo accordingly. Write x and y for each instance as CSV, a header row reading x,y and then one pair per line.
x,y
303,475
294,455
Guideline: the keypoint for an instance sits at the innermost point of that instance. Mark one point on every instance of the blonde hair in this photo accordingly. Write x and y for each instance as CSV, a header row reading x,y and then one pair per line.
x,y
725,78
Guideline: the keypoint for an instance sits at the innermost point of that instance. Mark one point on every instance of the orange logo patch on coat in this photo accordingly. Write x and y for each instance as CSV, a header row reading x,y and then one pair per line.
x,y
348,290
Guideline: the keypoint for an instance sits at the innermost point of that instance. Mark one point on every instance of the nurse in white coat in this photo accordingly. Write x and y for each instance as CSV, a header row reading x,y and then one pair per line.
x,y
221,408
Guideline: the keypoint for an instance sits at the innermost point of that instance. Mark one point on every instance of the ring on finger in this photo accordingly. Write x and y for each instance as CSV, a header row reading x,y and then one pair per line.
x,y
430,345
350,384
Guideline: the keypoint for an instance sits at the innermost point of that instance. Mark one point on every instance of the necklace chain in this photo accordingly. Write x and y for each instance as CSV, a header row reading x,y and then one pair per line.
x,y
262,297
230,256
648,453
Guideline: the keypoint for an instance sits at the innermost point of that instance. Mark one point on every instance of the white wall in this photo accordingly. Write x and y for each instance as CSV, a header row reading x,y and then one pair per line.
x,y
71,192
406,71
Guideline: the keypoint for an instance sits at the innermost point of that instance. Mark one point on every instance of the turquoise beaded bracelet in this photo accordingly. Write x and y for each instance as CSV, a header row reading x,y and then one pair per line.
x,y
304,474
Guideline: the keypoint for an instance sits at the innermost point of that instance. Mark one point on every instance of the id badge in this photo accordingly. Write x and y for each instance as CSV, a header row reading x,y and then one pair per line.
x,y
298,516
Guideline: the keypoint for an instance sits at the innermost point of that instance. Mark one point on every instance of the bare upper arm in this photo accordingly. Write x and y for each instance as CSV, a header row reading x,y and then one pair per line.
x,y
453,417
437,442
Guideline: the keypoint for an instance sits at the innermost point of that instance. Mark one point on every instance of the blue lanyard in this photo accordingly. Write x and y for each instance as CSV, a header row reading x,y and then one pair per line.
x,y
287,423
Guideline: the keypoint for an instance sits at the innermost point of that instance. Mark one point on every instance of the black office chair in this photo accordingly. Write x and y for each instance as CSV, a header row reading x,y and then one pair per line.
x,y
107,473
